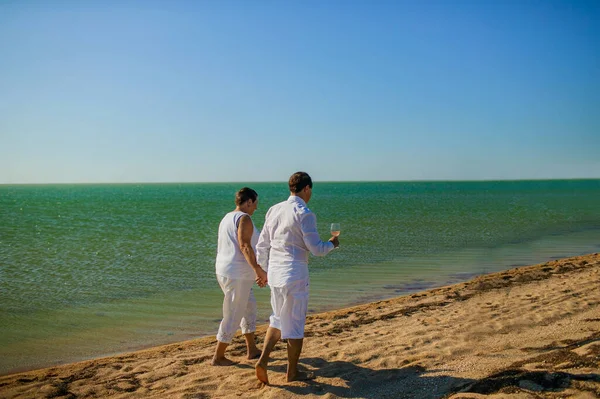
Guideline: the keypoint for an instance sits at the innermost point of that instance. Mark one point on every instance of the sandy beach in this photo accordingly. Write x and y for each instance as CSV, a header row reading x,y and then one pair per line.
x,y
529,332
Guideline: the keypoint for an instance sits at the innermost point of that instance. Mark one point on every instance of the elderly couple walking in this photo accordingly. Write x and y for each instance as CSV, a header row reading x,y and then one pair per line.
x,y
277,256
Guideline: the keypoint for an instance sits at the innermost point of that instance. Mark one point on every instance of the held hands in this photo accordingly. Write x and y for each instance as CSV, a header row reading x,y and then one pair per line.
x,y
335,241
261,277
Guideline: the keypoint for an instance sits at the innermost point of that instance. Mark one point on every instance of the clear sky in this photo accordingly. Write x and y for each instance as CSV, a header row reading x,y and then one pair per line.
x,y
197,91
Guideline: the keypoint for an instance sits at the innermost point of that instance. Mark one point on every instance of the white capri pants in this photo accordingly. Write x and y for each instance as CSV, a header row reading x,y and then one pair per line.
x,y
290,304
239,308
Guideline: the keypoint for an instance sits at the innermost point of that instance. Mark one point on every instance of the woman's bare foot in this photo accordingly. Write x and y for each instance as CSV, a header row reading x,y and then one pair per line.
x,y
254,354
221,362
301,376
261,373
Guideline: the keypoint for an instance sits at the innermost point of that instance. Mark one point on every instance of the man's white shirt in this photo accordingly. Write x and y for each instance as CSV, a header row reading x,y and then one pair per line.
x,y
289,234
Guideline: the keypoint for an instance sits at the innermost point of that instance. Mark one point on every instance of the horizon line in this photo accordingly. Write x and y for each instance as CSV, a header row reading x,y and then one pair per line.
x,y
319,181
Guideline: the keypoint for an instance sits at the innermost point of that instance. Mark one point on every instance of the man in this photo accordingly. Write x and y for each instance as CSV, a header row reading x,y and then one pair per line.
x,y
288,235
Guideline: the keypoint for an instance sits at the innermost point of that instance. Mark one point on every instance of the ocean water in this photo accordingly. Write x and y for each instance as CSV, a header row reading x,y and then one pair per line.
x,y
93,270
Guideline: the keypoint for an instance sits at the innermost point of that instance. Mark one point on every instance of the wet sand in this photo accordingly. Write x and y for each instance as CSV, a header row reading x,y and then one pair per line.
x,y
529,332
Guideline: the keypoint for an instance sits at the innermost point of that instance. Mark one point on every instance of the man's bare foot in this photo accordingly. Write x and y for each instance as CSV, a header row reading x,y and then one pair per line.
x,y
254,354
261,373
301,376
222,362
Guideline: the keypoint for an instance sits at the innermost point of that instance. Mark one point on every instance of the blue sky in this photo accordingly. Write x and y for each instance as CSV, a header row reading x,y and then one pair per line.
x,y
250,91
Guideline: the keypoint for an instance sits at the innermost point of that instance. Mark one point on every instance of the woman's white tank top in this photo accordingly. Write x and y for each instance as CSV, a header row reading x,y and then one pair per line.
x,y
231,262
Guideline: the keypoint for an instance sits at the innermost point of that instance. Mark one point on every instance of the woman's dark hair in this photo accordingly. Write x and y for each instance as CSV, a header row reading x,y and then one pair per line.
x,y
298,181
244,195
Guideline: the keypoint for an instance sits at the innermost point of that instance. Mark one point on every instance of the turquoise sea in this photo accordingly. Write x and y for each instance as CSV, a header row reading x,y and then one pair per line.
x,y
93,270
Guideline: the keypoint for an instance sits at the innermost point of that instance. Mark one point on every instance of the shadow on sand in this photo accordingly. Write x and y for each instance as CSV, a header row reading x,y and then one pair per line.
x,y
407,382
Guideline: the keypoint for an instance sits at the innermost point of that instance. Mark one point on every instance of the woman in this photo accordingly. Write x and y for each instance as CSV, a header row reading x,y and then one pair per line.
x,y
237,269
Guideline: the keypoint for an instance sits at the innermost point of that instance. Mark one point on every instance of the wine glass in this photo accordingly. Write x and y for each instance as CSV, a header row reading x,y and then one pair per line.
x,y
335,229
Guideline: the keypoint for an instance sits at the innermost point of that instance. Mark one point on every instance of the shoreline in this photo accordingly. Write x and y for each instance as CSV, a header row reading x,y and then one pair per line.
x,y
531,329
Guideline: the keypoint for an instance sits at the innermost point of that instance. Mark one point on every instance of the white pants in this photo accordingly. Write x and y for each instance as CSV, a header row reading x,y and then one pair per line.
x,y
239,308
290,304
